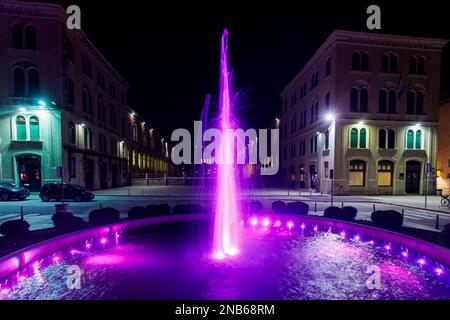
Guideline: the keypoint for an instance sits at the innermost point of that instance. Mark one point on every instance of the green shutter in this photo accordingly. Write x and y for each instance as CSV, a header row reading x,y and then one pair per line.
x,y
418,139
21,128
34,129
354,138
410,140
362,138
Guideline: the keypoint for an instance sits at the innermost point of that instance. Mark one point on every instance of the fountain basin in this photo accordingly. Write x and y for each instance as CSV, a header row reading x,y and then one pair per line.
x,y
279,259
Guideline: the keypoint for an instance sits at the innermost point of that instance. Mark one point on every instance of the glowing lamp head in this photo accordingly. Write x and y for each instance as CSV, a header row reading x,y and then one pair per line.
x,y
22,109
316,228
290,225
343,234
302,226
242,222
371,242
329,116
42,103
387,247
254,221
266,222
88,245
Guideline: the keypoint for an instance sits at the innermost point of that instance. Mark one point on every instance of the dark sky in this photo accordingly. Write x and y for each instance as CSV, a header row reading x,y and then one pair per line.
x,y
169,52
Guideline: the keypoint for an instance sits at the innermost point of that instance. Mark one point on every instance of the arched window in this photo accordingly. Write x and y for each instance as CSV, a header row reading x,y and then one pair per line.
x,y
71,133
418,139
410,140
327,140
382,139
34,128
354,100
385,173
415,102
357,173
420,65
392,101
69,50
87,138
410,102
360,61
327,101
21,128
19,82
364,100
362,138
70,92
391,139
356,61
30,37
382,101
413,65
135,132
419,102
17,37
33,83
354,138
389,63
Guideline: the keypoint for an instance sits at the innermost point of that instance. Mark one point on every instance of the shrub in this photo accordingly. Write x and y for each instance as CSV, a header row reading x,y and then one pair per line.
x,y
345,213
104,216
279,206
445,235
152,209
297,207
139,212
389,219
254,206
163,209
350,212
15,228
66,221
180,209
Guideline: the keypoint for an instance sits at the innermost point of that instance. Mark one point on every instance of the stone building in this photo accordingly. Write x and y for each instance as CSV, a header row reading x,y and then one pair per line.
x,y
62,104
364,107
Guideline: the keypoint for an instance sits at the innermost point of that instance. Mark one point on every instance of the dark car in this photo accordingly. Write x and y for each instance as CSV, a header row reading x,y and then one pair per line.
x,y
9,191
53,191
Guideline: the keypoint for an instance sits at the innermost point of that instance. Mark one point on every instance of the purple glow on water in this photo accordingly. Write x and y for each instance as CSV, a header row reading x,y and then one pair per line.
x,y
277,224
421,262
225,240
439,271
103,240
254,222
290,225
357,238
302,226
266,222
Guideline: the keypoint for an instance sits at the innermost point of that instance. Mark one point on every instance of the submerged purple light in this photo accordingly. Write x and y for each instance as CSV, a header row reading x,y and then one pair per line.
x,y
254,222
227,213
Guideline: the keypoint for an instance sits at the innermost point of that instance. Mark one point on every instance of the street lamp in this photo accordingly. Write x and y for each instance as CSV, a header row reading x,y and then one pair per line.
x,y
329,116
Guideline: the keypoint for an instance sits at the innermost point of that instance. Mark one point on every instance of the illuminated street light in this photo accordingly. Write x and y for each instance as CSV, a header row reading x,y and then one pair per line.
x,y
361,122
329,116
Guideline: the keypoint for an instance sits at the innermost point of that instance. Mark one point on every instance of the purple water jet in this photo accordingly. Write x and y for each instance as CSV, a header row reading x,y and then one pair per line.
x,y
227,211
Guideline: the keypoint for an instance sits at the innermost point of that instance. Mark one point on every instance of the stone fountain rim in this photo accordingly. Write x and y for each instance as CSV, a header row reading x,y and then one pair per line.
x,y
17,260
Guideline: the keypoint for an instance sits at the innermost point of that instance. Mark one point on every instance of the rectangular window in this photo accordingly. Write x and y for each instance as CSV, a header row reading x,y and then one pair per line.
x,y
356,174
326,169
72,167
385,174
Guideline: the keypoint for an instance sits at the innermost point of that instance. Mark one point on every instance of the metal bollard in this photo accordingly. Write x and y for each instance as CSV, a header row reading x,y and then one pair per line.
x,y
403,212
100,205
374,207
342,204
315,206
21,213
437,221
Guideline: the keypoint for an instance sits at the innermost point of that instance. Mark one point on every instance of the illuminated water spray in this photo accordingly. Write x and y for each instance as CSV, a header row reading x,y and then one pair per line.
x,y
226,242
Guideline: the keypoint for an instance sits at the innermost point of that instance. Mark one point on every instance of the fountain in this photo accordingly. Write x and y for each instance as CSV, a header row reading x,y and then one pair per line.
x,y
225,241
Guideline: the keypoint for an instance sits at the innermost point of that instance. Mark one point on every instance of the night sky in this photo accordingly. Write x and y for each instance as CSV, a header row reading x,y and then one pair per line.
x,y
169,53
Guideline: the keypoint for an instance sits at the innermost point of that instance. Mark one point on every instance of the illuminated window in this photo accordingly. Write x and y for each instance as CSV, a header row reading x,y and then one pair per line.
x,y
410,139
418,139
21,127
354,138
362,138
385,173
357,172
34,128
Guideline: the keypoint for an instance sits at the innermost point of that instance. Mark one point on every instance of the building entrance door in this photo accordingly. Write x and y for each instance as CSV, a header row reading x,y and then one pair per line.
x,y
313,177
412,179
89,174
29,167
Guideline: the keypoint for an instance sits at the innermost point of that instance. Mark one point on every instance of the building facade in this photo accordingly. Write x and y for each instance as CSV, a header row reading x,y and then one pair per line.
x,y
361,117
443,162
63,105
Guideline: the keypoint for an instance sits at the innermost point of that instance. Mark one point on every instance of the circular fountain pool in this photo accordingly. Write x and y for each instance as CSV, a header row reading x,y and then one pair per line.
x,y
278,262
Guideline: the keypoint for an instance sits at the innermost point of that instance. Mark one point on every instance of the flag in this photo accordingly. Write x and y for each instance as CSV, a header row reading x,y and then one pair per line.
x,y
400,90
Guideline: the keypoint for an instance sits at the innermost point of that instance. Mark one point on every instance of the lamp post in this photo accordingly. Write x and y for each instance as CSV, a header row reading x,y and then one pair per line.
x,y
331,118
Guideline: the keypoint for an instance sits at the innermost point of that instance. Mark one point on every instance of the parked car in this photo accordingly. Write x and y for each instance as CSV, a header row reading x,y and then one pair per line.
x,y
53,191
9,191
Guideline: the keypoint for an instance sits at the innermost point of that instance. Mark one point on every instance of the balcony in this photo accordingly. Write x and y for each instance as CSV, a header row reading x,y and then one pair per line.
x,y
25,145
